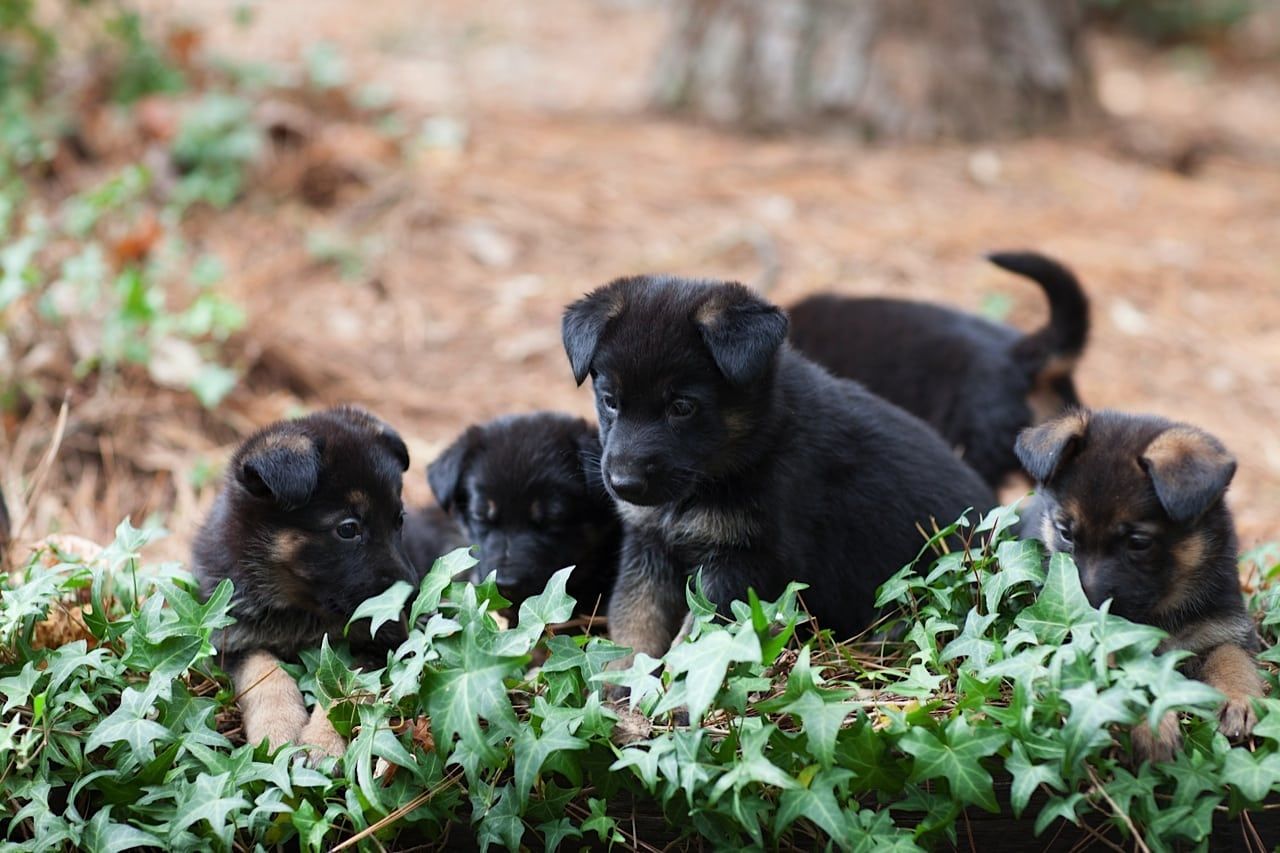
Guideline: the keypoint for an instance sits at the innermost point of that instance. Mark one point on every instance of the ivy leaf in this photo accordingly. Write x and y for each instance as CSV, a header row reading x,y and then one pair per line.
x,y
550,606
704,663
468,688
103,835
645,760
920,683
387,606
1027,777
1086,726
442,573
553,832
972,643
816,803
1251,774
955,757
751,766
1064,807
1021,562
1268,718
638,678
207,800
1174,691
1061,604
129,724
531,751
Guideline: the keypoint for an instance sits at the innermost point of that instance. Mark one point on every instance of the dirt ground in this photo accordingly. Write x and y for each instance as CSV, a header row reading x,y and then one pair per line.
x,y
542,174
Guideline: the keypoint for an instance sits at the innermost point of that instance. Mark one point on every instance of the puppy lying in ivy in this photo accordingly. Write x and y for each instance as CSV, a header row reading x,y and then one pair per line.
x,y
307,526
526,490
1138,503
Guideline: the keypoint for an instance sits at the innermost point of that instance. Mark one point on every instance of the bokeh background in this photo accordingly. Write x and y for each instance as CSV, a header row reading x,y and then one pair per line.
x,y
213,215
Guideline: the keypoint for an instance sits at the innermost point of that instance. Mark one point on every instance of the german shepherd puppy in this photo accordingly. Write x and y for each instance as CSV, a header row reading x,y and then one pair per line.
x,y
1138,502
976,382
728,452
307,526
522,488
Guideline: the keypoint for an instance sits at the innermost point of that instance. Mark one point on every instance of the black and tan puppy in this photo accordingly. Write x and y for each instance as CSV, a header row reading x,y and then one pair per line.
x,y
1138,503
976,382
307,526
522,490
728,452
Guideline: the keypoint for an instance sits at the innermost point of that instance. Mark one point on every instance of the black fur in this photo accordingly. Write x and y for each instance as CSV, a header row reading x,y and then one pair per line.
x,y
727,451
429,533
1102,495
274,531
976,382
520,490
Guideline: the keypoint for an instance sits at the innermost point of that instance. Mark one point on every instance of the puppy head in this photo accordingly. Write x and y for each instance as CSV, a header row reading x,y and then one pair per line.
x,y
1136,500
315,503
681,369
521,489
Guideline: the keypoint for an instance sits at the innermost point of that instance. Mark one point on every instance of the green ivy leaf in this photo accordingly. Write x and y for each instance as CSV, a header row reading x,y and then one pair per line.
x,y
1085,728
955,757
387,606
130,724
1061,605
1253,775
532,750
751,765
103,835
705,662
1027,777
554,832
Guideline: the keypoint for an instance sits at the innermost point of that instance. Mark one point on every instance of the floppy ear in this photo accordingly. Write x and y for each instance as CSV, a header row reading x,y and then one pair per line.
x,y
377,427
585,321
283,467
444,475
742,331
1190,470
1042,450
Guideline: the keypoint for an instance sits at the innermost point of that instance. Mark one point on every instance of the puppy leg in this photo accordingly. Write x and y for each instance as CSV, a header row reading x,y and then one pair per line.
x,y
1232,670
1160,745
271,705
647,606
320,735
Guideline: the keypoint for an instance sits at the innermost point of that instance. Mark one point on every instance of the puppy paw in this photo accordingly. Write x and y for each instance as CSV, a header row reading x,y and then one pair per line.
x,y
1161,745
320,737
1237,718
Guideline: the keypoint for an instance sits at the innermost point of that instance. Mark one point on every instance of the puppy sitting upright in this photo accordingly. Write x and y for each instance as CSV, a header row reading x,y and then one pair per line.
x,y
1138,503
976,382
306,526
728,452
521,490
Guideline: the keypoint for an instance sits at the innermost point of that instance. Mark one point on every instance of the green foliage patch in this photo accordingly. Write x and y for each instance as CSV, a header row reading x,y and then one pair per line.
x,y
127,735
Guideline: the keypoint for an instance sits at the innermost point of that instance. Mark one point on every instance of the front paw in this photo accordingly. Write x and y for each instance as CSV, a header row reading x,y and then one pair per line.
x,y
320,737
1161,745
1237,718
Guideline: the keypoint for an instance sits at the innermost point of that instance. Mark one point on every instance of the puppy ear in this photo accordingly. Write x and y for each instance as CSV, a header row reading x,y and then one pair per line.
x,y
742,331
1042,450
1190,470
584,322
282,466
444,475
375,426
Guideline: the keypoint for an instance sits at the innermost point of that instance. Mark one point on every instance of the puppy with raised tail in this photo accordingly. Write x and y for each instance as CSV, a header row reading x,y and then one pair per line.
x,y
976,382
726,451
307,526
1138,501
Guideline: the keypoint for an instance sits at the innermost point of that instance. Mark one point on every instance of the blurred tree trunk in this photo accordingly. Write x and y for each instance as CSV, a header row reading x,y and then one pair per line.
x,y
901,69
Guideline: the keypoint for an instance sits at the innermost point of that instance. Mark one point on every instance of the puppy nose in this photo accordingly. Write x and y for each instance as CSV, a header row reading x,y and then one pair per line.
x,y
628,484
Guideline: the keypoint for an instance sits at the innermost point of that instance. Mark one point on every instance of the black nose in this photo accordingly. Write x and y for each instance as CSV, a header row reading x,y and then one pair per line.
x,y
628,484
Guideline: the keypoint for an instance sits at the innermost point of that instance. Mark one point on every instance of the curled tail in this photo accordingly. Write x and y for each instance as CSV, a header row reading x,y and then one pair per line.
x,y
1063,337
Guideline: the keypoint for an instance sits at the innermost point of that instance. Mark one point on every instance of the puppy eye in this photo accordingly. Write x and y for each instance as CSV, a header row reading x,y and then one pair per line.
x,y
1064,530
349,528
682,407
1140,542
609,401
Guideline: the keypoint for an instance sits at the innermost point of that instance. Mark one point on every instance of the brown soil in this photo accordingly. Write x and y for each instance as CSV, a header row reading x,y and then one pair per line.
x,y
565,181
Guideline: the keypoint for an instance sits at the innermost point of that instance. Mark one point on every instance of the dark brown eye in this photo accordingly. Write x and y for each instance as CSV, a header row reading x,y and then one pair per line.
x,y
1139,542
609,402
349,529
682,407
1064,531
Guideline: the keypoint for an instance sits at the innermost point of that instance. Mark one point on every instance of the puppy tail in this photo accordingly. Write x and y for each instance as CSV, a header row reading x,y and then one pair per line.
x,y
1064,336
